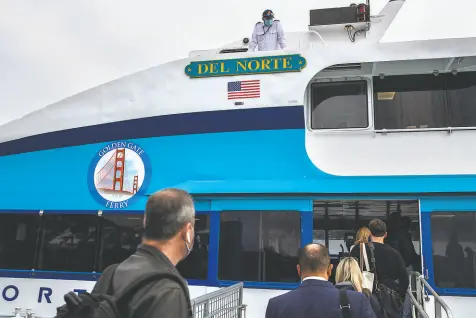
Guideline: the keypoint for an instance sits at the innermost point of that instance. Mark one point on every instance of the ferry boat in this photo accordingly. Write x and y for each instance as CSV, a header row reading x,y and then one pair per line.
x,y
278,149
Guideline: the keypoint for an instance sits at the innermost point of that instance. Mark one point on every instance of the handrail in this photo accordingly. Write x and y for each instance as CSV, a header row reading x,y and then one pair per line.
x,y
418,307
225,301
404,130
439,302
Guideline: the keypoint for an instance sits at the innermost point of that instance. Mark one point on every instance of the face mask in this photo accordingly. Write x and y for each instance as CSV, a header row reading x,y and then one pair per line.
x,y
268,22
188,245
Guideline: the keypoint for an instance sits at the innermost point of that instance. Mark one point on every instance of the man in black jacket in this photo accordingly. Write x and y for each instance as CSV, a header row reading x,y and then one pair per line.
x,y
391,270
168,238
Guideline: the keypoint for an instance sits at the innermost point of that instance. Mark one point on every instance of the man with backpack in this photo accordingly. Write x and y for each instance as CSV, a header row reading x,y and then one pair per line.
x,y
147,284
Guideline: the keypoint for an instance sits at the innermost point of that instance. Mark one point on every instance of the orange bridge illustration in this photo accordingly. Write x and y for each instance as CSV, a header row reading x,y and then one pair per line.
x,y
110,178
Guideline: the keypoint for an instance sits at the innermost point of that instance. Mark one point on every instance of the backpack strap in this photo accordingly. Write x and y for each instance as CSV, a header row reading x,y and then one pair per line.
x,y
344,303
372,261
129,292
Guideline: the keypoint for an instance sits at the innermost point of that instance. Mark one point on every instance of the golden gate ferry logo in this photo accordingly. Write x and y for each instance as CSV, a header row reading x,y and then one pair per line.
x,y
119,174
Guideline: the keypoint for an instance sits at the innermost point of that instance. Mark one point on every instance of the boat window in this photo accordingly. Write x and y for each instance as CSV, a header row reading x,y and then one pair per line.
x,y
425,101
121,234
339,105
259,246
461,97
410,102
68,242
334,221
195,266
453,237
18,236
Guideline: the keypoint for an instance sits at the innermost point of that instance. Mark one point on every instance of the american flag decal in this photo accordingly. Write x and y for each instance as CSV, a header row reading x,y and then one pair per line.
x,y
244,89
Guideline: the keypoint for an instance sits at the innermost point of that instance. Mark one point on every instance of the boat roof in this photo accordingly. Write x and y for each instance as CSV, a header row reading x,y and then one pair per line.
x,y
166,89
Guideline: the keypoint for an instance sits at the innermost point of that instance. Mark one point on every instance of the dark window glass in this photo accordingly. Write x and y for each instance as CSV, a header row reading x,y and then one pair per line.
x,y
121,234
410,102
336,220
18,240
68,242
339,105
461,94
195,266
453,237
259,246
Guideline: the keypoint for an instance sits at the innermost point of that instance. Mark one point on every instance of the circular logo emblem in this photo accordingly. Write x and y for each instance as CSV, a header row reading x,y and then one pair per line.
x,y
119,174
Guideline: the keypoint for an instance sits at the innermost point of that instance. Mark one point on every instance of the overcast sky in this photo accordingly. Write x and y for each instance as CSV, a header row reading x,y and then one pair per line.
x,y
52,49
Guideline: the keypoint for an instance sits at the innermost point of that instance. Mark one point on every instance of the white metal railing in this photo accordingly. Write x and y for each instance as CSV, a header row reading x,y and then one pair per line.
x,y
224,303
422,285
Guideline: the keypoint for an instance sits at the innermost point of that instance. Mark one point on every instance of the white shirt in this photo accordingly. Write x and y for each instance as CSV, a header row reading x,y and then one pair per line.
x,y
314,277
267,38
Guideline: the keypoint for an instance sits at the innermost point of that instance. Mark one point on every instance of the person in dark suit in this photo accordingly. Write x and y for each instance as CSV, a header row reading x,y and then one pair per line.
x,y
316,297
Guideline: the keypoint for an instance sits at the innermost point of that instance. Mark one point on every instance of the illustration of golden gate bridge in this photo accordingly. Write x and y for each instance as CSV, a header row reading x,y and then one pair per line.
x,y
110,178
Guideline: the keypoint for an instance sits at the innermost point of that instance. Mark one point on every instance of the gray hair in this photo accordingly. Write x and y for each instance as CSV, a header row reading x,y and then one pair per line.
x,y
166,213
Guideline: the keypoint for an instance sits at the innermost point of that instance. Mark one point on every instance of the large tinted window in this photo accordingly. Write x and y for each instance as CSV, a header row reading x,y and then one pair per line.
x,y
68,242
453,237
121,234
415,101
18,240
195,266
259,246
425,101
339,105
336,220
461,96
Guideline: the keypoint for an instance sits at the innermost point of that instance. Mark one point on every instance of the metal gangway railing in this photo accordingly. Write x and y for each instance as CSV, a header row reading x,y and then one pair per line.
x,y
223,303
420,287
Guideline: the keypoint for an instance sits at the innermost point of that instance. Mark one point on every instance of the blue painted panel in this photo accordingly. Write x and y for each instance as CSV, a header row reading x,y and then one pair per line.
x,y
49,275
428,206
95,276
123,212
261,204
307,227
202,205
271,161
93,212
20,211
261,285
213,248
452,204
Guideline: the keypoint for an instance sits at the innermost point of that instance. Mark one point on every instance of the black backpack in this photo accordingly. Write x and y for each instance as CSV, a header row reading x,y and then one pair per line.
x,y
105,305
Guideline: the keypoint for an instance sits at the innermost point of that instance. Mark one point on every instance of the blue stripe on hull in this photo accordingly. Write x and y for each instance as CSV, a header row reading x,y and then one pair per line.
x,y
270,118
272,161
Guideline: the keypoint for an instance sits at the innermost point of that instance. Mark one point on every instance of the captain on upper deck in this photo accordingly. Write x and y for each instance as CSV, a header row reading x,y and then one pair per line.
x,y
268,35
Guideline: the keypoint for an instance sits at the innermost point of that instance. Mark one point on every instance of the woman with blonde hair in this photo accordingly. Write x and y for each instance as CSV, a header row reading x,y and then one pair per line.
x,y
363,235
349,276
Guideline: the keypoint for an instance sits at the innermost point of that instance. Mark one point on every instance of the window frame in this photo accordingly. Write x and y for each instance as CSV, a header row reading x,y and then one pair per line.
x,y
427,246
356,217
38,213
210,255
40,243
100,239
370,110
305,219
448,129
